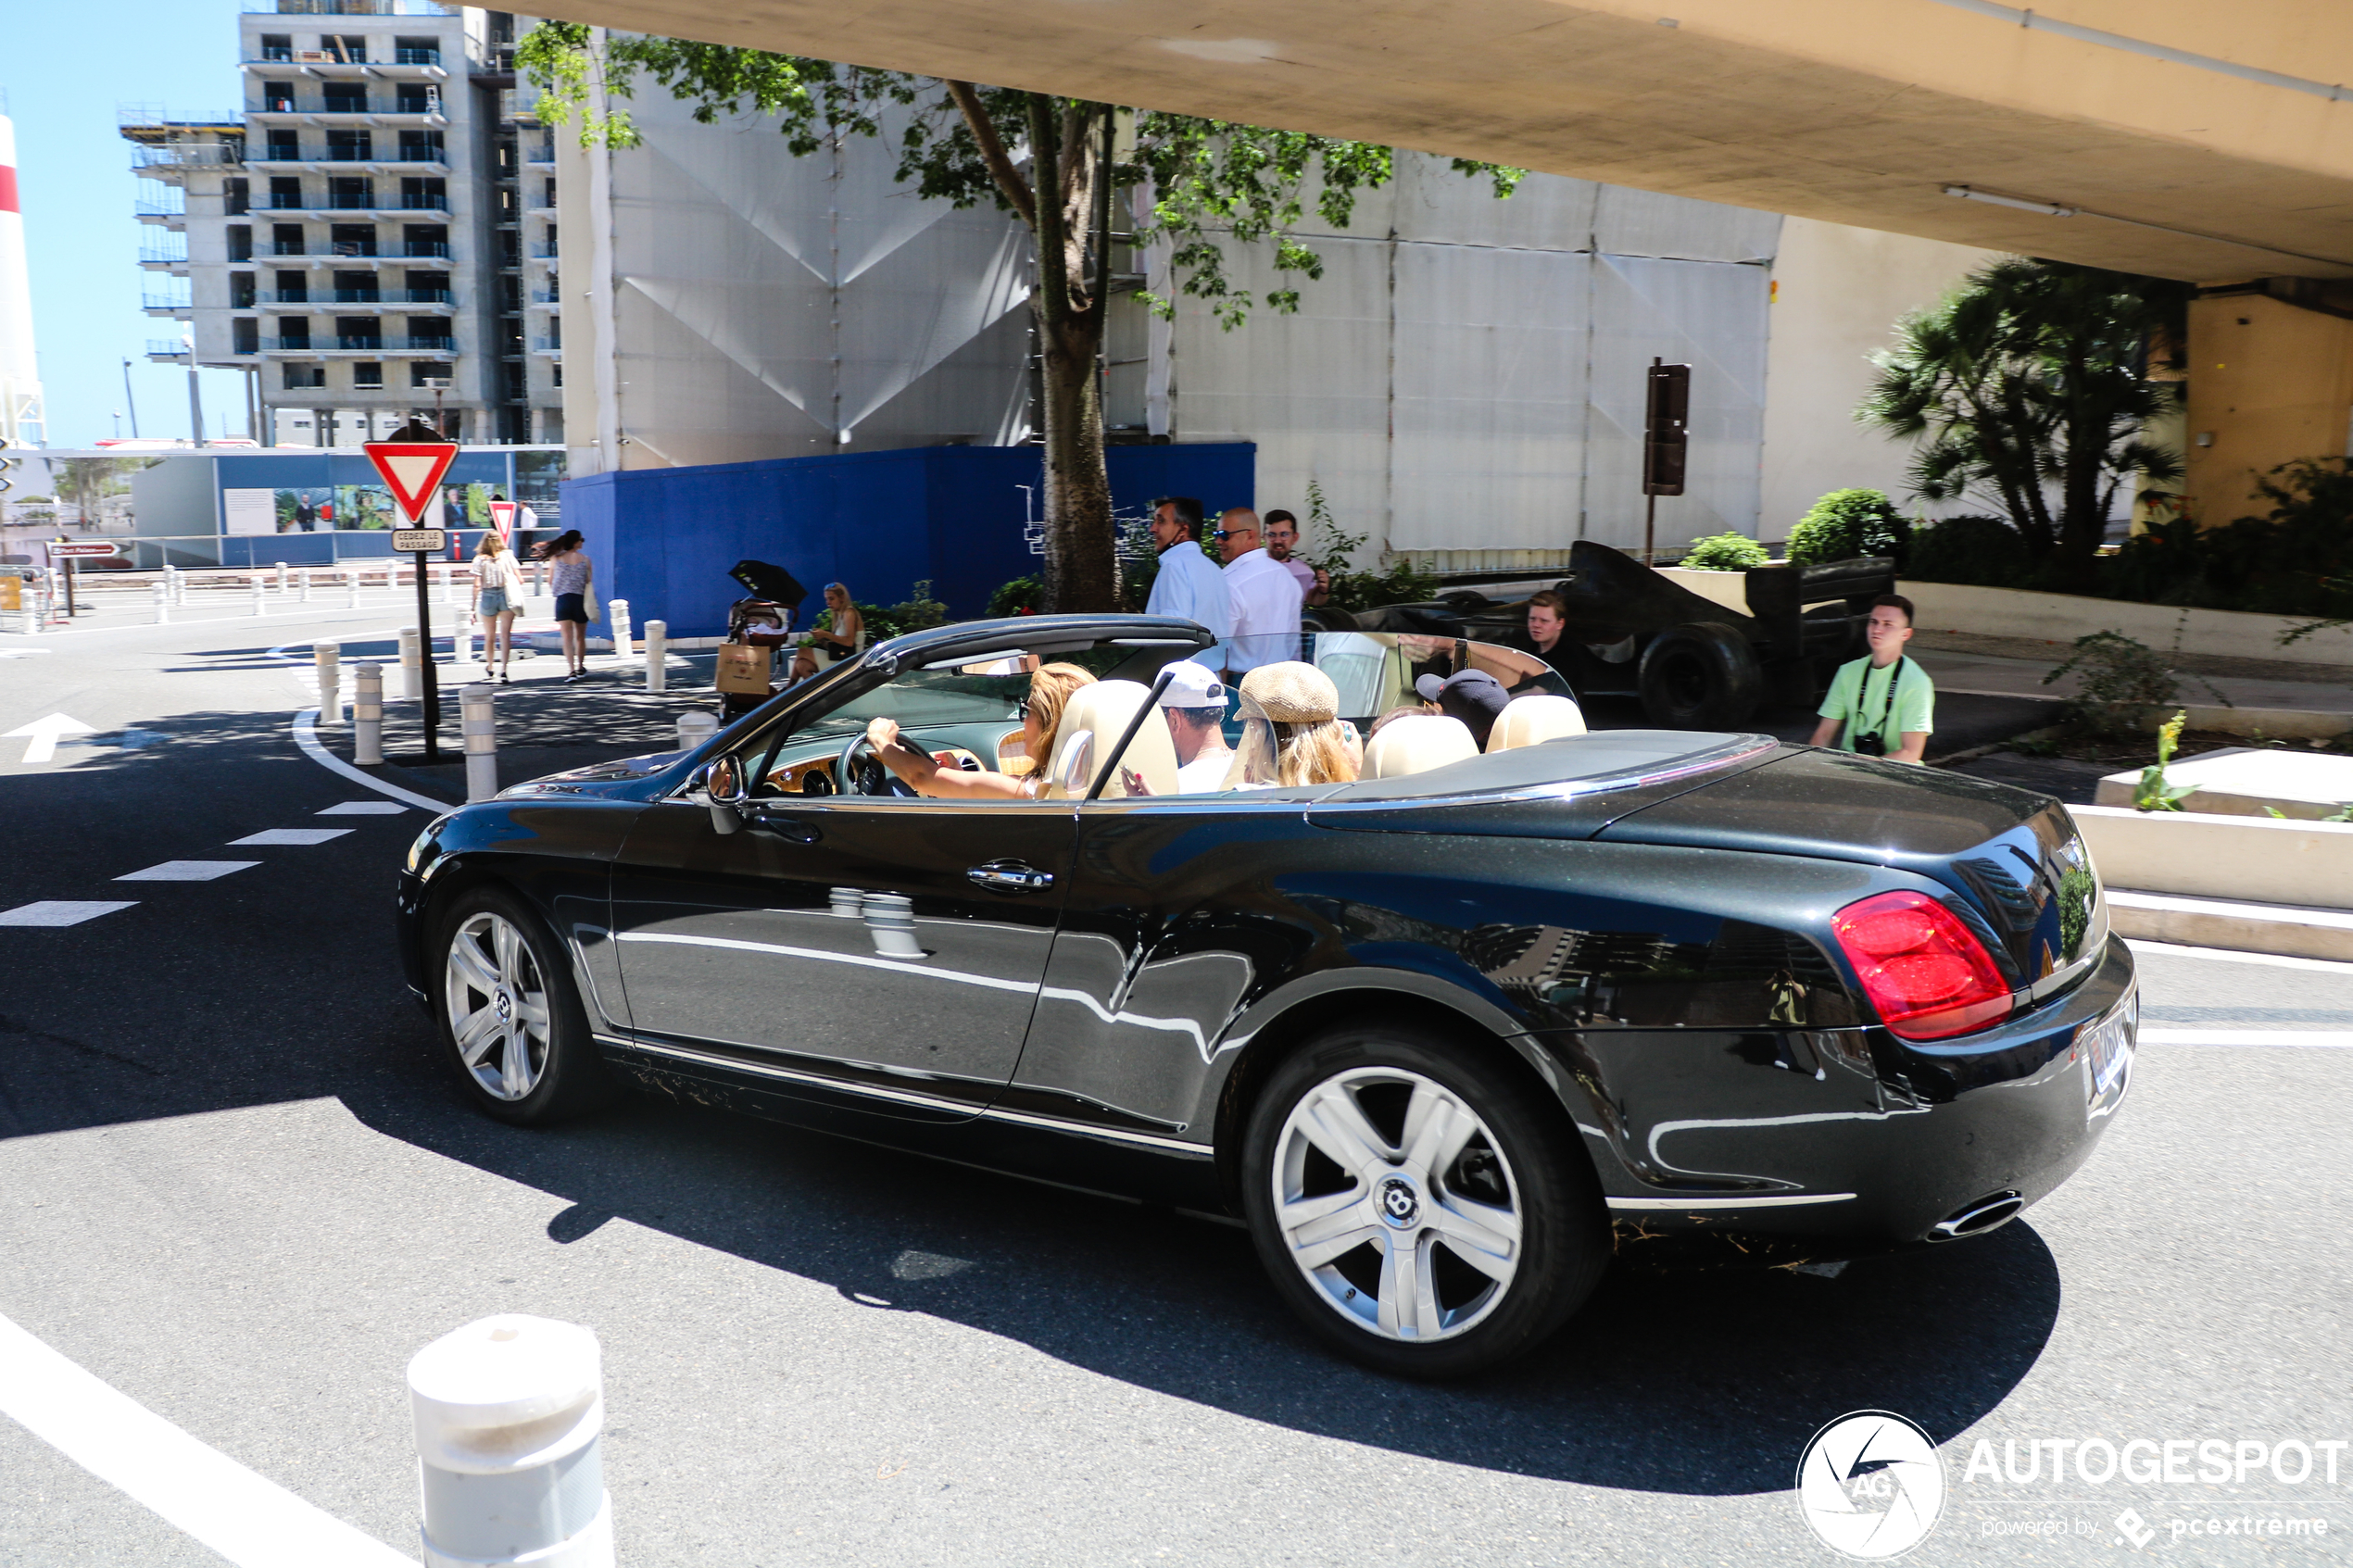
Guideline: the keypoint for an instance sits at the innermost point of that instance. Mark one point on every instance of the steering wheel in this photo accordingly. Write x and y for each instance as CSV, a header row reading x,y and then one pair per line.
x,y
857,774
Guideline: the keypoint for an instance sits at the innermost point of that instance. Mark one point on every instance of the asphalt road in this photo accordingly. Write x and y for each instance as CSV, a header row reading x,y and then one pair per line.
x,y
237,1186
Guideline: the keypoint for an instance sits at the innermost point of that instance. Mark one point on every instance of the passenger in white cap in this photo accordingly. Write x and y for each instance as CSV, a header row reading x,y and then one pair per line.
x,y
1194,705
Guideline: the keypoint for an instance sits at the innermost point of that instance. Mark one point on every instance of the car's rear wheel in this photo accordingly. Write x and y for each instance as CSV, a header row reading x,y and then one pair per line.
x,y
1699,676
510,1015
1417,1204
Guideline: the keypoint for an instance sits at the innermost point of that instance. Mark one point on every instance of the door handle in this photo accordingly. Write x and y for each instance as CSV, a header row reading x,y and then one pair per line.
x,y
783,826
1010,876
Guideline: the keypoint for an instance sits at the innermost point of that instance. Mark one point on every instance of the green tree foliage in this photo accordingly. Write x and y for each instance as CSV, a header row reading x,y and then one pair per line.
x,y
1982,551
1356,590
2296,560
1848,523
1725,552
1052,162
2027,388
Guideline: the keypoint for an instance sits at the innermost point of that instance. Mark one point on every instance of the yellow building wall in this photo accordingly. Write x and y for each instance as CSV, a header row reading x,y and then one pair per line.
x,y
2270,383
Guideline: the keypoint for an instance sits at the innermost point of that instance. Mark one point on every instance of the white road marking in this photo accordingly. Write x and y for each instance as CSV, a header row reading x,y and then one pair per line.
x,y
363,808
287,836
188,871
20,653
2232,955
2158,1035
63,912
306,734
41,736
246,1518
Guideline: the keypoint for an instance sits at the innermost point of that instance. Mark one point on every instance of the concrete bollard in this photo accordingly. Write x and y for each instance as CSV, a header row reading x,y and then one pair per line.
x,y
696,726
327,658
307,575
509,1415
163,605
260,595
412,665
177,581
657,656
478,721
351,585
461,647
367,713
282,576
625,645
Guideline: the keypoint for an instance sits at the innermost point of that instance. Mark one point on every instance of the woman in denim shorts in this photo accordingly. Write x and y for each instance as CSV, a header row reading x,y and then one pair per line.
x,y
568,582
498,597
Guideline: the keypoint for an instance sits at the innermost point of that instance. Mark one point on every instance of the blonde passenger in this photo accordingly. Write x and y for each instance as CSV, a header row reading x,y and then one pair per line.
x,y
1049,693
1312,745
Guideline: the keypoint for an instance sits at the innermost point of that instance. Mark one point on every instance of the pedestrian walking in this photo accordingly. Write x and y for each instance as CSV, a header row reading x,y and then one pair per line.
x,y
1265,597
573,579
497,597
1883,705
1190,585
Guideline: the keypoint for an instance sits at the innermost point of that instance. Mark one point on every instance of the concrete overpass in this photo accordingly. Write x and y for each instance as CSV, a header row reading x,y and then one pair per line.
x,y
2174,137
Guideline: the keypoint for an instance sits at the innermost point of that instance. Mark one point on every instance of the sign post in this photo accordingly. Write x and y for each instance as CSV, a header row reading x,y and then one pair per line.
x,y
412,465
69,551
1665,428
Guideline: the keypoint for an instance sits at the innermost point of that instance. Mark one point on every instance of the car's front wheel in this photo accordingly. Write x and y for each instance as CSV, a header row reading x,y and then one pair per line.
x,y
1417,1204
510,1015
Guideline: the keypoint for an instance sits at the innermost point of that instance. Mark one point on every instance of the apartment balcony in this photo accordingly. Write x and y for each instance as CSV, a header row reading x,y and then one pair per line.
x,y
432,299
170,160
166,305
347,253
329,344
168,348
552,346
343,205
163,214
153,256
301,156
346,8
545,299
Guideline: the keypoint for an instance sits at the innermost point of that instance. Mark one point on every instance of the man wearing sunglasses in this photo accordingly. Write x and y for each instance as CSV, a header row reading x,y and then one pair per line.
x,y
1189,585
1265,597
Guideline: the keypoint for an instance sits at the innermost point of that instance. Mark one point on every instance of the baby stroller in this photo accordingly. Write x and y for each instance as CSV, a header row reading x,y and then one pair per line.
x,y
762,621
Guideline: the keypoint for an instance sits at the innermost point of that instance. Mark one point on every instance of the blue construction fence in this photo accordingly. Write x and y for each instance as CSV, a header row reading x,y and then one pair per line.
x,y
878,521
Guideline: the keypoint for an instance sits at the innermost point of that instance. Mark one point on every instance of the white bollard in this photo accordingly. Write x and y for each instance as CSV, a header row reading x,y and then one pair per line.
x,y
453,585
260,595
177,580
696,726
282,577
163,605
307,575
509,1415
327,658
368,714
624,647
461,647
351,583
657,656
478,721
412,666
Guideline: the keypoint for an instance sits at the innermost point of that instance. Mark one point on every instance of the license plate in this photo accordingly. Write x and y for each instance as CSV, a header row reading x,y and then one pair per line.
x,y
2109,1044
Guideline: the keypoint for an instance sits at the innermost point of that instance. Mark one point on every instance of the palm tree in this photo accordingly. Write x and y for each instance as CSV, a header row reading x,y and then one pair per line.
x,y
2028,387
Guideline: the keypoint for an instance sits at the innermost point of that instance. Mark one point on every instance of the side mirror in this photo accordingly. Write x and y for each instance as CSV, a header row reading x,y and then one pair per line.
x,y
720,783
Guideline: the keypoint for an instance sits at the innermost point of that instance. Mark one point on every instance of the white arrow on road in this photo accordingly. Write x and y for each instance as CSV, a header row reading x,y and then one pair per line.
x,y
41,736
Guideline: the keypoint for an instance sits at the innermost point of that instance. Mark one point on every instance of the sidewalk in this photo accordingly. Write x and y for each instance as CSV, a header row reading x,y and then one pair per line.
x,y
1959,661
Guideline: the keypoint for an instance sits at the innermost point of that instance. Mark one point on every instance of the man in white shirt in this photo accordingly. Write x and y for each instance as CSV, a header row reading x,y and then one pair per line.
x,y
1265,597
1194,704
1189,585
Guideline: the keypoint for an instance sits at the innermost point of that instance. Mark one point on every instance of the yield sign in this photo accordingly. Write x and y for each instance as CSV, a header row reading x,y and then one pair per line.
x,y
502,516
411,469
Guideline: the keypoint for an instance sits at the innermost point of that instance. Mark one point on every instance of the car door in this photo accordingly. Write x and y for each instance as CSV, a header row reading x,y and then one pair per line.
x,y
892,945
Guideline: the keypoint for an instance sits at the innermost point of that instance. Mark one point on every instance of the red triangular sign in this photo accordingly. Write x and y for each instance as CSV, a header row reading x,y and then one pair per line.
x,y
502,516
411,470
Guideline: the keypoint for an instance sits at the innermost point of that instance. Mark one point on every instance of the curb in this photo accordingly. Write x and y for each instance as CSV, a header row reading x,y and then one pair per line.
x,y
2304,933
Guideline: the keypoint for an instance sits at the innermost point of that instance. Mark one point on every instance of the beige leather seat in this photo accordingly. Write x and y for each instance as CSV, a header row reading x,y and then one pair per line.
x,y
1415,744
1525,721
1092,724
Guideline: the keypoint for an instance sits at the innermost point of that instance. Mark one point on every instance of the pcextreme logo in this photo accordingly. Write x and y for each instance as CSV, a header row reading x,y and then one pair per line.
x,y
1870,1484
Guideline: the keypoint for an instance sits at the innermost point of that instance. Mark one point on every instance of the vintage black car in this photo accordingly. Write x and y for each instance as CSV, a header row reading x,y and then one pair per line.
x,y
1447,1038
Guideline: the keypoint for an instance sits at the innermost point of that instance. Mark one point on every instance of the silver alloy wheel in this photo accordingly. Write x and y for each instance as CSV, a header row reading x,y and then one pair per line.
x,y
497,1004
1430,1260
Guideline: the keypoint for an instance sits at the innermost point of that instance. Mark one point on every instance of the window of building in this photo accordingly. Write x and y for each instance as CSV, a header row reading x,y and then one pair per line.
x,y
424,287
245,334
509,248
350,192
285,239
241,242
356,288
283,145
294,288
421,146
285,193
351,48
549,200
236,197
278,95
294,331
301,378
556,374
277,46
367,376
423,193
241,291
358,332
424,239
344,97
352,239
426,372
549,248
429,330
416,97
416,51
509,204
350,147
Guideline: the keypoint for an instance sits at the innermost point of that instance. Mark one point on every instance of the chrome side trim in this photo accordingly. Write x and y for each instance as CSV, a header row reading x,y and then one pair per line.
x,y
1684,1205
903,1097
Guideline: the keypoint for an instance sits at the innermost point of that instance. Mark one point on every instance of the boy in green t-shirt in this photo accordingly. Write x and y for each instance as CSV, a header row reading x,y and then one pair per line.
x,y
1883,706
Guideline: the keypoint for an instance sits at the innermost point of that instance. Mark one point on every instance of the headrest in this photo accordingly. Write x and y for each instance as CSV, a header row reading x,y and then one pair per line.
x,y
1292,693
1096,716
1415,744
1538,717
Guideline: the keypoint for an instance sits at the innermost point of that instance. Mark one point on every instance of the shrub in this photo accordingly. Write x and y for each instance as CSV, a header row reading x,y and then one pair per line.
x,y
1725,552
2296,560
1983,552
1352,591
1847,524
1020,597
2122,675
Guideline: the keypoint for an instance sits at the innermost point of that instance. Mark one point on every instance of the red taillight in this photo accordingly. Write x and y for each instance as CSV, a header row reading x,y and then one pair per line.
x,y
1925,971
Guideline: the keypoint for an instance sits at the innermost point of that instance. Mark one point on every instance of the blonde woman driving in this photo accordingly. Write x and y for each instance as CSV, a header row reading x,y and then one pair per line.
x,y
1041,717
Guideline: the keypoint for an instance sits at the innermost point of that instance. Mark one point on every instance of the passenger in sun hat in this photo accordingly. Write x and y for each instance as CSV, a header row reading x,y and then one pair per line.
x,y
1292,711
1473,695
1194,704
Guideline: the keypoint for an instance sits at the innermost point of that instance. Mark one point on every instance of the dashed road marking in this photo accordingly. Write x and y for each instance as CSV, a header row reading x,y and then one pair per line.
x,y
246,1518
287,836
363,808
2159,1035
63,912
188,871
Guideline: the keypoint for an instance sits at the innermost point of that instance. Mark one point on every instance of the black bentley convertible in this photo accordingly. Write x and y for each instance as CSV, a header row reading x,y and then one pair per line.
x,y
1446,1038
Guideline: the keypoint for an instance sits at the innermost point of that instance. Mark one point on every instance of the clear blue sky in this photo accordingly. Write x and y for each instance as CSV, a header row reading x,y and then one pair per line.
x,y
64,69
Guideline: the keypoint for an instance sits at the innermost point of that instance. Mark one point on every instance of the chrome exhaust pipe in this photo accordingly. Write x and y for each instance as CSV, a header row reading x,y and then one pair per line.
x,y
1990,1212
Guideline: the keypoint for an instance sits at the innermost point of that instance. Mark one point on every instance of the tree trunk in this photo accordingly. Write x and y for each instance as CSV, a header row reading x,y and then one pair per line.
x,y
2082,522
1079,549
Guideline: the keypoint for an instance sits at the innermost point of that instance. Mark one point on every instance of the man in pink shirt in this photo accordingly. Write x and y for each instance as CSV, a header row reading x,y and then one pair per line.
x,y
1282,540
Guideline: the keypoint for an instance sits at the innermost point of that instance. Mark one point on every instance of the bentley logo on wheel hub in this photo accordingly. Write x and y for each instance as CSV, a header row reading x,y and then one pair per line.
x,y
1399,1205
506,1006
